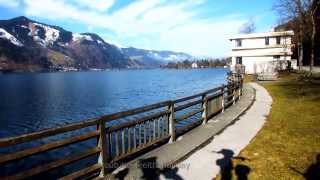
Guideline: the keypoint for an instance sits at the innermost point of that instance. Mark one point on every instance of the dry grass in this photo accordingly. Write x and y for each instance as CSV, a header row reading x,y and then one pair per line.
x,y
57,58
290,139
248,78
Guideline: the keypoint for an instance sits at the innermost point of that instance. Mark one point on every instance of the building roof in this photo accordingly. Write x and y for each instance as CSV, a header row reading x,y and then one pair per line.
x,y
262,35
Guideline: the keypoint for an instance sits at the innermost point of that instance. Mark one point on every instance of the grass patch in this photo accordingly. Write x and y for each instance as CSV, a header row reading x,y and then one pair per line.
x,y
248,78
289,142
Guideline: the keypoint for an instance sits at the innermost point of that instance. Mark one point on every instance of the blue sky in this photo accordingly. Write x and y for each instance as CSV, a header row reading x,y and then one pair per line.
x,y
198,27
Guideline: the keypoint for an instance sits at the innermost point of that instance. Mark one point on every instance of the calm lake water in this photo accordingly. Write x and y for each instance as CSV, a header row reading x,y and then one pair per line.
x,y
34,101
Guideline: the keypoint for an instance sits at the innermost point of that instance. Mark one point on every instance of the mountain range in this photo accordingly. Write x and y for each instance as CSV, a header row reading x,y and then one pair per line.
x,y
155,58
27,45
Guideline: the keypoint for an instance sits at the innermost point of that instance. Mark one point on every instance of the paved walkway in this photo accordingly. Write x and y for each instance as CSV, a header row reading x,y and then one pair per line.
x,y
204,142
206,162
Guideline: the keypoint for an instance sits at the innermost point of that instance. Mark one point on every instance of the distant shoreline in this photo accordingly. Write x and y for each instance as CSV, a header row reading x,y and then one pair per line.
x,y
100,70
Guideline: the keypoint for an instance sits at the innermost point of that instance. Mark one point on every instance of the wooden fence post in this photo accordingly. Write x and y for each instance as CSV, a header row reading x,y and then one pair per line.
x,y
239,90
233,93
241,86
222,101
171,122
103,144
205,109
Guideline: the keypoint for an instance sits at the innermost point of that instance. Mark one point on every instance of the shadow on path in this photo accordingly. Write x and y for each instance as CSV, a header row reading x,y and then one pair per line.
x,y
151,171
226,166
242,171
122,174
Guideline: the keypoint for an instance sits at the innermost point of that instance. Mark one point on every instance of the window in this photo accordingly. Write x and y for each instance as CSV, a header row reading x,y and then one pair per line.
x,y
267,41
276,57
238,60
278,39
238,43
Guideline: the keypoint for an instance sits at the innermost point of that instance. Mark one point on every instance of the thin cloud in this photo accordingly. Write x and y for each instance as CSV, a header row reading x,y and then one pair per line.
x,y
153,24
99,5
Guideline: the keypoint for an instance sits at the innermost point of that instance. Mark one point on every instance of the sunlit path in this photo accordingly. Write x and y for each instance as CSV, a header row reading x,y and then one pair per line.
x,y
205,163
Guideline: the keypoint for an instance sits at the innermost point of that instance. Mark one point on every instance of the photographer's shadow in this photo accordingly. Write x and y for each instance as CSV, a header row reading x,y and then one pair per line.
x,y
151,171
226,166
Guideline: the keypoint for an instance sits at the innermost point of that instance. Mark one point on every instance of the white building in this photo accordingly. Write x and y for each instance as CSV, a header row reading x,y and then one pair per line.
x,y
262,52
194,65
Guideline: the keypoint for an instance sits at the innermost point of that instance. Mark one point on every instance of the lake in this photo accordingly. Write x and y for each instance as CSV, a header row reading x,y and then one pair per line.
x,y
34,101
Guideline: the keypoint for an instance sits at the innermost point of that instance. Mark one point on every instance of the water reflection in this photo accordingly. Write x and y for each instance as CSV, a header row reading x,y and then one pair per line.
x,y
30,102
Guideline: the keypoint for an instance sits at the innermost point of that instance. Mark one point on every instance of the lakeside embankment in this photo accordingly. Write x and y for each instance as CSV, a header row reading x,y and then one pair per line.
x,y
289,142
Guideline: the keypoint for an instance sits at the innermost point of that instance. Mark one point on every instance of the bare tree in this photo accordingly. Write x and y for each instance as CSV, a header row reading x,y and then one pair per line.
x,y
301,13
312,13
248,27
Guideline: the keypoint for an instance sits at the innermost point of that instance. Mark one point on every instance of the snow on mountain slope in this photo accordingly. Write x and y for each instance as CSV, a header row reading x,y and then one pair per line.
x,y
43,34
153,58
79,37
5,35
168,55
51,34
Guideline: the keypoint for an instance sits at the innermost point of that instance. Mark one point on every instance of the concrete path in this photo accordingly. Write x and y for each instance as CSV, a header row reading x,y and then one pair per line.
x,y
206,162
205,142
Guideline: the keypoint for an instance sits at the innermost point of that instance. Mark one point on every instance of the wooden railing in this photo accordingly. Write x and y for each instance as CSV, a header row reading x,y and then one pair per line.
x,y
121,135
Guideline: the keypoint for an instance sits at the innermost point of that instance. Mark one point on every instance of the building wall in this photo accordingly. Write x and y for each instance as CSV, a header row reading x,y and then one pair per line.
x,y
262,52
258,57
260,42
263,64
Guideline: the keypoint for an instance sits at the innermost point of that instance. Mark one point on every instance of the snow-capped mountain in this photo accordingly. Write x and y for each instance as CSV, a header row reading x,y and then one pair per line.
x,y
27,45
153,57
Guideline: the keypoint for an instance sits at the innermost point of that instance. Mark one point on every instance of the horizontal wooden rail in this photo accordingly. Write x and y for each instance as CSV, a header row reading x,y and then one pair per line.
x,y
4,142
189,126
82,172
229,103
134,111
53,145
55,164
197,95
229,96
179,108
214,90
188,98
214,96
185,116
135,122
